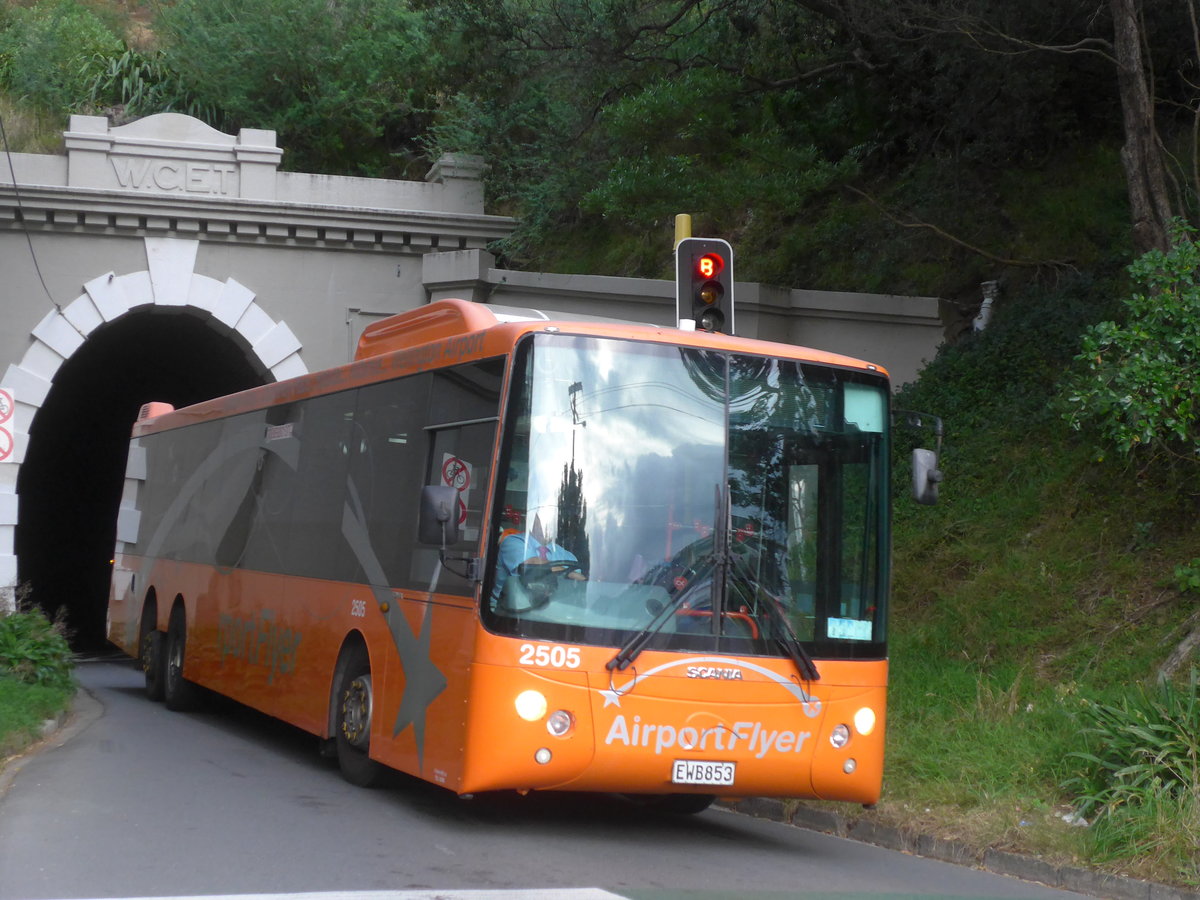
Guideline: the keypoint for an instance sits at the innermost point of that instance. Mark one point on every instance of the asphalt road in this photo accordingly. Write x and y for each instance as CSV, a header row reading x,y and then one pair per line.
x,y
136,801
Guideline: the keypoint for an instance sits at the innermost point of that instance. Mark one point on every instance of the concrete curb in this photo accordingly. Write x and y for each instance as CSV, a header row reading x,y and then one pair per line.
x,y
1027,868
84,710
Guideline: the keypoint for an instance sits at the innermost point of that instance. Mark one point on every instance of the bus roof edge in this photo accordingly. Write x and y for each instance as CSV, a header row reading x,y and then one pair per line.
x,y
437,320
153,410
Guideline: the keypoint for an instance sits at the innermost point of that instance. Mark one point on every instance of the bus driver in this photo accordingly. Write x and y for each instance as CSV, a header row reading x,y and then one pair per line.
x,y
530,548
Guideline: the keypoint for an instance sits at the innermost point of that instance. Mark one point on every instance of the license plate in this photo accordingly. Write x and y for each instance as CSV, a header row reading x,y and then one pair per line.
x,y
698,771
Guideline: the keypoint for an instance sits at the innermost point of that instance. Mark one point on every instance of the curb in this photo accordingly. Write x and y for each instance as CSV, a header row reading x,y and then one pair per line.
x,y
999,862
82,712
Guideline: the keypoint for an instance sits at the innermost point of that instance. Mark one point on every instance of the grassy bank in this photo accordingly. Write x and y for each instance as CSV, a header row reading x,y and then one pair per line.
x,y
1045,586
36,681
23,709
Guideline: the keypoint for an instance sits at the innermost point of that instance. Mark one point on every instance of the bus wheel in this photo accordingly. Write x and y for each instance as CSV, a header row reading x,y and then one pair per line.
x,y
353,726
179,693
676,804
153,663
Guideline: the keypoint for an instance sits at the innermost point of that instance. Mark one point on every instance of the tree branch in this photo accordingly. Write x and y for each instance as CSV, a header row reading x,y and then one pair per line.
x,y
1024,263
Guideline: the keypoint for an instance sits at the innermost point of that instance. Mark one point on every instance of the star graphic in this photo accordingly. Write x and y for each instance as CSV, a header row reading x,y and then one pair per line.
x,y
423,681
611,698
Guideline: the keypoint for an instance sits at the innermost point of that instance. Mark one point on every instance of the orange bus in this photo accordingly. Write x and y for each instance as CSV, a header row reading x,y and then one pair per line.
x,y
500,551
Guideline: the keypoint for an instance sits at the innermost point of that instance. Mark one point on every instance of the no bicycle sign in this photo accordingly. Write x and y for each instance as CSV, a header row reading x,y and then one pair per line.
x,y
7,406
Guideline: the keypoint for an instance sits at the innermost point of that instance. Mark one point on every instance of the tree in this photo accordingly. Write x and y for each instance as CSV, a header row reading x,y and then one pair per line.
x,y
1149,203
1064,30
345,83
749,112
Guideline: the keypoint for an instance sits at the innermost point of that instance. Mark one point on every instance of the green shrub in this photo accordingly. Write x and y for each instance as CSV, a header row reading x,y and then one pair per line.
x,y
1140,776
1136,381
34,649
144,84
1187,576
49,53
344,84
1147,742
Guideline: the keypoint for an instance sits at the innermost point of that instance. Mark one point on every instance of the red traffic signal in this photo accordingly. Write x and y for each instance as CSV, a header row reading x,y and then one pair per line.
x,y
710,265
704,283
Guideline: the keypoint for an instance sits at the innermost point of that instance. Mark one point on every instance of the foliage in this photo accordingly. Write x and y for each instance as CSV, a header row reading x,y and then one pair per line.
x,y
344,83
143,84
50,52
601,119
753,115
29,129
1009,370
1187,576
1148,739
697,142
34,649
1140,775
1136,380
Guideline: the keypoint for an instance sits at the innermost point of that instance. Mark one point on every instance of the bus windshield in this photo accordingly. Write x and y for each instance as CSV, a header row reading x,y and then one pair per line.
x,y
716,499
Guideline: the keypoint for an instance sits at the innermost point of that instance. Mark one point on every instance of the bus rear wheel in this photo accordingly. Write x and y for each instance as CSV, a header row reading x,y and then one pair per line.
x,y
153,663
178,692
354,705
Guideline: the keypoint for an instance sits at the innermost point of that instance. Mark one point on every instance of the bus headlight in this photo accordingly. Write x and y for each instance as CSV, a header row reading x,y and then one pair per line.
x,y
839,737
531,705
561,723
864,720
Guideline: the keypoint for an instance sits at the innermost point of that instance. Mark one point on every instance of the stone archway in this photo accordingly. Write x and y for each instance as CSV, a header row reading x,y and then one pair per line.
x,y
168,301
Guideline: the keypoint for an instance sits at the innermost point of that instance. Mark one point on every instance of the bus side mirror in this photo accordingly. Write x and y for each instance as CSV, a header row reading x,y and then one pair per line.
x,y
438,522
926,476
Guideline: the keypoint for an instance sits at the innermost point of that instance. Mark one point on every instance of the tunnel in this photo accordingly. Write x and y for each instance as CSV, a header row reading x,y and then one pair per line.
x,y
69,486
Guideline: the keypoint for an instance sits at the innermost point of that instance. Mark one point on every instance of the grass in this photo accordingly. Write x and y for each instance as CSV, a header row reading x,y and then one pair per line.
x,y
29,130
23,709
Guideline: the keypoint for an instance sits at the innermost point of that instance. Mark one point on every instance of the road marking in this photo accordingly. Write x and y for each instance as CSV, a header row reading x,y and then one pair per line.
x,y
520,894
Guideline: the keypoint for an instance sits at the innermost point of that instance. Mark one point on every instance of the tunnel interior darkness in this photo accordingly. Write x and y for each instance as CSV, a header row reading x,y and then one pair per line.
x,y
69,486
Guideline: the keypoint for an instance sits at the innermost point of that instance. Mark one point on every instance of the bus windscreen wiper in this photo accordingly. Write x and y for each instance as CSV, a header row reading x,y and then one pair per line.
x,y
632,647
787,640
791,644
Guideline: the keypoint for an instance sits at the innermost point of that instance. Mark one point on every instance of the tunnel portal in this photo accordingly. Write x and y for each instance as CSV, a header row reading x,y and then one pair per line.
x,y
69,486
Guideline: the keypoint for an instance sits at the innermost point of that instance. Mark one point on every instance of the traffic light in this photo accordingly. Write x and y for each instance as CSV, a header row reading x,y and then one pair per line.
x,y
704,283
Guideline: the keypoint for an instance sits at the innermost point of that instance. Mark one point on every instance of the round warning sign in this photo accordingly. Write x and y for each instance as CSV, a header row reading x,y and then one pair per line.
x,y
456,473
6,444
6,405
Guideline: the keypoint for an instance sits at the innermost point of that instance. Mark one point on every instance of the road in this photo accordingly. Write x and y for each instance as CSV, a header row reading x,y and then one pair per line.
x,y
142,802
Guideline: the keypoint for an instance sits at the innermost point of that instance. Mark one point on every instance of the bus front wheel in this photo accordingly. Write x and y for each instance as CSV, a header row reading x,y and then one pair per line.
x,y
673,804
354,704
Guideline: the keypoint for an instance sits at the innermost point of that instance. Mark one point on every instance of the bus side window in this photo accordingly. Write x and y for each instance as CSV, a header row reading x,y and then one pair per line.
x,y
315,547
460,458
460,455
275,484
386,455
229,497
